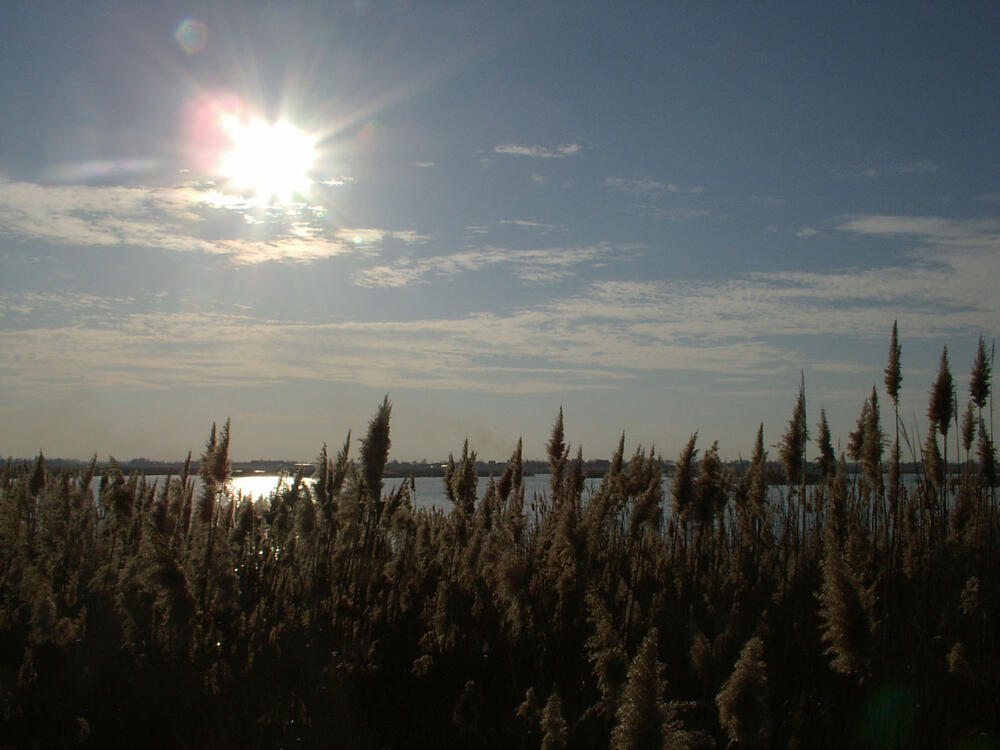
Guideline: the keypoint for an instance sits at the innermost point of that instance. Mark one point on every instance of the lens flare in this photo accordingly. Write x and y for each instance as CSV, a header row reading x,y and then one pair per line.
x,y
369,133
890,716
192,35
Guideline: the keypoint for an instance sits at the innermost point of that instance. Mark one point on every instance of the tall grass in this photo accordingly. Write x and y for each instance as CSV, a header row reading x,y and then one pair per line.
x,y
854,612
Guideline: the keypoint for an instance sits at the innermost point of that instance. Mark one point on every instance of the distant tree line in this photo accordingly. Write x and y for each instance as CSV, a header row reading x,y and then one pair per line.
x,y
850,612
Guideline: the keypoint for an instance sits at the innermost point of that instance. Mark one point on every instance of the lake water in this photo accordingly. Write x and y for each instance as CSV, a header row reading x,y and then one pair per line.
x,y
429,491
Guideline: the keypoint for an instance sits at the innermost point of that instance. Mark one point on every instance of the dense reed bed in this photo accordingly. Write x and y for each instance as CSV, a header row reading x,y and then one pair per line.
x,y
852,611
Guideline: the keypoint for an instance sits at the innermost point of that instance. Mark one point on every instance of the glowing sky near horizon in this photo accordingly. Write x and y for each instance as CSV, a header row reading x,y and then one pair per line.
x,y
656,217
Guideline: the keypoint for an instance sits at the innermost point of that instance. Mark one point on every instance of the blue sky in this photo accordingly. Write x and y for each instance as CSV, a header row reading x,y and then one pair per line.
x,y
655,217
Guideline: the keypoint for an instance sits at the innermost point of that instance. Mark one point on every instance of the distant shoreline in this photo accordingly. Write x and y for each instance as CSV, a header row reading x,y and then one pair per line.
x,y
400,469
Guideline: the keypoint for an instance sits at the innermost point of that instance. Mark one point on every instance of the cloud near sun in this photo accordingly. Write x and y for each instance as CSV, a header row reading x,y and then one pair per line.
x,y
185,218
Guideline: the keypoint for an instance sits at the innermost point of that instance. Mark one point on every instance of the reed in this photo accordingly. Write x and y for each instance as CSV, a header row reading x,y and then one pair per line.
x,y
683,612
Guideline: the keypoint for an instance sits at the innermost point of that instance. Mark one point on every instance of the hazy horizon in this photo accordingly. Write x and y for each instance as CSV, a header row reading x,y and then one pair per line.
x,y
653,217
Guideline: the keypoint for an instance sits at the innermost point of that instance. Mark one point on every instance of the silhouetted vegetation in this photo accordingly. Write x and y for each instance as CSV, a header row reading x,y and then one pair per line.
x,y
706,610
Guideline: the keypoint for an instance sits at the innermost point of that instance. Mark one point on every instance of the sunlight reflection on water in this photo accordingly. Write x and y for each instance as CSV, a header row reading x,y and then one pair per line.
x,y
429,490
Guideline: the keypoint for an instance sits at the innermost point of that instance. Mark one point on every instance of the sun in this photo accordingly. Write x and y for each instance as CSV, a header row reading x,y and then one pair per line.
x,y
270,160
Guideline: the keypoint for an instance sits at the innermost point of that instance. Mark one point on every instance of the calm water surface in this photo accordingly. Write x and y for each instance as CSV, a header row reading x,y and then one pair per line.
x,y
429,491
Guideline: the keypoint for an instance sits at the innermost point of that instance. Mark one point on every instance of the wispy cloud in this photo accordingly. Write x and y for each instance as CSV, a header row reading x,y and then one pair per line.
x,y
337,181
384,276
935,230
767,201
647,186
639,185
562,151
536,225
154,351
918,167
188,218
35,308
888,170
536,266
604,335
656,198
675,213
752,326
409,236
371,236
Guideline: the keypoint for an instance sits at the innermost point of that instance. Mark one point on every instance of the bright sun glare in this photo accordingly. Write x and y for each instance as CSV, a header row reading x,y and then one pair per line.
x,y
272,161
